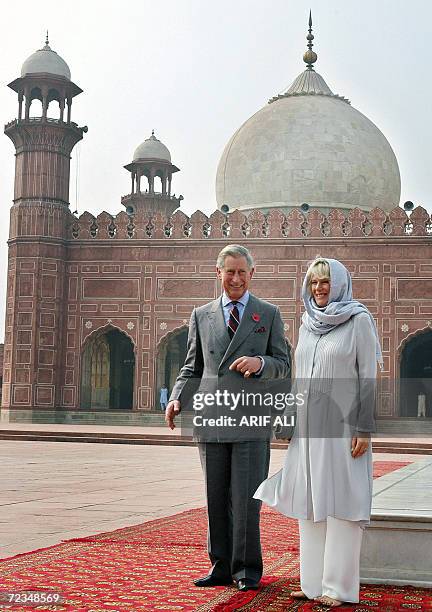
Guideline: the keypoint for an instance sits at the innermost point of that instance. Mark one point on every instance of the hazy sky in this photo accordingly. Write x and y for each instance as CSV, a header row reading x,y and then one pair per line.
x,y
194,70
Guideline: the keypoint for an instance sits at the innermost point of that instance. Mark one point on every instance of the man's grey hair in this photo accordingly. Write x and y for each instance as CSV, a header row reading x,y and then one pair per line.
x,y
234,250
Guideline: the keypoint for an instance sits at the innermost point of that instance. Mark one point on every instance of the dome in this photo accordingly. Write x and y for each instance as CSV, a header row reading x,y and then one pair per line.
x,y
308,145
46,60
152,148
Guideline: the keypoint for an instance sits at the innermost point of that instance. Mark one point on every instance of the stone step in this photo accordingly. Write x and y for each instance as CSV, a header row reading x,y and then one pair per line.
x,y
398,542
405,426
394,447
83,417
109,439
96,434
95,439
379,446
413,446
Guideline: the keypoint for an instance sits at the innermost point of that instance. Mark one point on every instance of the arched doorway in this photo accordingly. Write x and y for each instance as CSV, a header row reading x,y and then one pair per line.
x,y
171,356
107,373
416,374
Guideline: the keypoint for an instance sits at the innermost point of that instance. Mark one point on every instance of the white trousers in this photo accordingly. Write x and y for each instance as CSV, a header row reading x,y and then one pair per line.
x,y
330,559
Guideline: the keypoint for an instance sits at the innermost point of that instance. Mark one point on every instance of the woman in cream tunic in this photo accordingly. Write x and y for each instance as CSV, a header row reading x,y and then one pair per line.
x,y
326,481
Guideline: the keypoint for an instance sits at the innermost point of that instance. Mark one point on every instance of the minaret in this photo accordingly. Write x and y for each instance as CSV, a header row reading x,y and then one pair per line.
x,y
151,161
38,223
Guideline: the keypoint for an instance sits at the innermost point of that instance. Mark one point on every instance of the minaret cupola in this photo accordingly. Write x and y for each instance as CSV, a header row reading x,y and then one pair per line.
x,y
151,175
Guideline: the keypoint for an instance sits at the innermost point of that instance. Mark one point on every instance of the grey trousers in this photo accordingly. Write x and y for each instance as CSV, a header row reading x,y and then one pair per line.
x,y
233,471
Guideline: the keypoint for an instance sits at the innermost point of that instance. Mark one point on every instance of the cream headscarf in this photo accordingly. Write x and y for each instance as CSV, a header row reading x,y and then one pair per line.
x,y
340,307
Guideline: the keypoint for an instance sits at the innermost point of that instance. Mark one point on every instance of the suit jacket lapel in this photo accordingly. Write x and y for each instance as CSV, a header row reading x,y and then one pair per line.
x,y
247,325
217,323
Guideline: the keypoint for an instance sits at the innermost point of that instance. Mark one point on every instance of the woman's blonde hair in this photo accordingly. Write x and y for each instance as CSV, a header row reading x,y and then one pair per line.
x,y
320,268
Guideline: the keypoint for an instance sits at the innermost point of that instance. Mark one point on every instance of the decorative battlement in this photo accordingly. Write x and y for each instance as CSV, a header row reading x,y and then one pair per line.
x,y
236,225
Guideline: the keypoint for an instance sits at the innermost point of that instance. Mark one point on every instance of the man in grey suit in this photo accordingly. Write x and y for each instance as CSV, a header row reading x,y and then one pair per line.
x,y
238,336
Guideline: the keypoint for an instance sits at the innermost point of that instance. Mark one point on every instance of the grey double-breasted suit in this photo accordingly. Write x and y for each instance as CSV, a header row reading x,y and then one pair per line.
x,y
210,351
233,469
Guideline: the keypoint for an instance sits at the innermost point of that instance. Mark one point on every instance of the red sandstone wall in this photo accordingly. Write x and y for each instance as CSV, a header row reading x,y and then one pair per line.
x,y
146,281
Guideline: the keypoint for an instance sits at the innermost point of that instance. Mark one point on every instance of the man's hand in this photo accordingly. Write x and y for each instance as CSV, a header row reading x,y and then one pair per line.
x,y
171,412
246,365
359,446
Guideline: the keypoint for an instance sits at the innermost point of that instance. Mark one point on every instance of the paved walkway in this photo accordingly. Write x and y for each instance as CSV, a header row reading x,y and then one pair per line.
x,y
52,491
406,493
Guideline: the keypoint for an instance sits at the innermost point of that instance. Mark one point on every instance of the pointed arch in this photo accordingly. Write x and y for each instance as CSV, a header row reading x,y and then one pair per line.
x,y
415,373
171,353
105,328
108,370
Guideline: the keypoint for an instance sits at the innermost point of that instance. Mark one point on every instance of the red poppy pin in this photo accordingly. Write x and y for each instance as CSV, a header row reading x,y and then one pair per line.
x,y
256,317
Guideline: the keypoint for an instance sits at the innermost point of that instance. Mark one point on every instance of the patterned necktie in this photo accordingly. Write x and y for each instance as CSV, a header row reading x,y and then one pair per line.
x,y
234,320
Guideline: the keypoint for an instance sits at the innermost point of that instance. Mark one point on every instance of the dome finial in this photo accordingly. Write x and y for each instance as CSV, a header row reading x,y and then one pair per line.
x,y
310,57
47,47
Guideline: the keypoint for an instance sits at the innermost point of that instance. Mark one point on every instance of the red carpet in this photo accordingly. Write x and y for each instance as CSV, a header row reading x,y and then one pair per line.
x,y
149,567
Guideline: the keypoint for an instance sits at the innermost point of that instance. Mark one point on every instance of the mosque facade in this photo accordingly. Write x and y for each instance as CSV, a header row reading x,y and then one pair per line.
x,y
98,306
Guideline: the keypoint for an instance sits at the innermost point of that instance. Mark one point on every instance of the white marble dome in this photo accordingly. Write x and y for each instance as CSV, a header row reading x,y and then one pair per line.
x,y
308,146
152,148
46,61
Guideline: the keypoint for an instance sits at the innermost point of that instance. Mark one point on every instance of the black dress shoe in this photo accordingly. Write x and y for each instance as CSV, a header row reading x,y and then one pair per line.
x,y
246,584
211,581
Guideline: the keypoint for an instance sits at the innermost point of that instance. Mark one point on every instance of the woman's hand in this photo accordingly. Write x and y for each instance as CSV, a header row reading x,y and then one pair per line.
x,y
359,446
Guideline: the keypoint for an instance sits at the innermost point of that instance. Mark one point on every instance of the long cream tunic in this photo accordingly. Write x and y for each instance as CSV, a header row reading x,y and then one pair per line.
x,y
337,372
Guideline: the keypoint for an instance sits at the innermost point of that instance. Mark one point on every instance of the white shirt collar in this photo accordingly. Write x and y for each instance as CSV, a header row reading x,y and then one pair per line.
x,y
243,300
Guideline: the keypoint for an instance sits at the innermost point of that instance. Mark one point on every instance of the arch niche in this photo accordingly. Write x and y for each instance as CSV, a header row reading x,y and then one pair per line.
x,y
416,374
170,358
107,371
